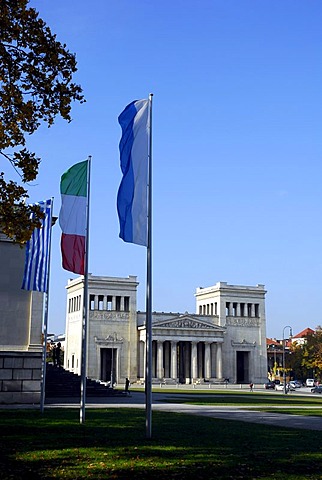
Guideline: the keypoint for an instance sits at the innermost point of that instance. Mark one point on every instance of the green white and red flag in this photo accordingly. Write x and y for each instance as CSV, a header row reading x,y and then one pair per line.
x,y
72,217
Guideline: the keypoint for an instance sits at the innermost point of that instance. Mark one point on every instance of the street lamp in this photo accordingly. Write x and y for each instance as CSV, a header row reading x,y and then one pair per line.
x,y
284,372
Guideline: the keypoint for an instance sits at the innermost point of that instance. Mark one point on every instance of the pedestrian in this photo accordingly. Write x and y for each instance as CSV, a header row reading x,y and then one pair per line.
x,y
251,386
127,385
54,354
58,350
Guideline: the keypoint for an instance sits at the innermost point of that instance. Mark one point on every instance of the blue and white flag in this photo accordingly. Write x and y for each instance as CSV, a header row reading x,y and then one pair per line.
x,y
132,198
37,253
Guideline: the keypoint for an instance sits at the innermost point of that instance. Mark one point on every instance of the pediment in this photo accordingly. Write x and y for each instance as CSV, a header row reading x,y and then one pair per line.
x,y
187,322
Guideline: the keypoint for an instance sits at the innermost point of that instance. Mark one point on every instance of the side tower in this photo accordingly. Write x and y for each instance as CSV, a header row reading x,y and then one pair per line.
x,y
241,309
112,329
21,316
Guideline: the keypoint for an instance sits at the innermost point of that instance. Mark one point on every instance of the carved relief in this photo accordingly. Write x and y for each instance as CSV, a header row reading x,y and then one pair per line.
x,y
104,315
113,338
242,321
184,323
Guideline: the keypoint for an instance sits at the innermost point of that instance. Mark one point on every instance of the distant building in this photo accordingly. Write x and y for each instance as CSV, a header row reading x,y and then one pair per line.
x,y
224,339
301,337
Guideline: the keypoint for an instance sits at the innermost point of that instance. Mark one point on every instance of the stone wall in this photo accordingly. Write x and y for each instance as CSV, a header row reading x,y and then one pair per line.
x,y
20,377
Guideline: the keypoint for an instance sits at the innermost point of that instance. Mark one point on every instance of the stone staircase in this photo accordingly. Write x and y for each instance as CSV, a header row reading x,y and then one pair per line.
x,y
62,383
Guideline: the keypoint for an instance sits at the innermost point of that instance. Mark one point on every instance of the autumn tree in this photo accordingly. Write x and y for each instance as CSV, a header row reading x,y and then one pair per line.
x,y
36,85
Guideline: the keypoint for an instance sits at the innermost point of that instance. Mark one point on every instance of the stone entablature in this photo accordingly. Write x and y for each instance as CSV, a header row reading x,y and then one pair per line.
x,y
109,315
243,321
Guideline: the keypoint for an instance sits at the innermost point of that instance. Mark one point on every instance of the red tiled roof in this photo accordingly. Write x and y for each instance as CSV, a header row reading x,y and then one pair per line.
x,y
304,333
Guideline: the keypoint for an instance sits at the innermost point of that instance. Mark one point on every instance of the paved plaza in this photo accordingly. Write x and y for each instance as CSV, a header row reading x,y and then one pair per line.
x,y
162,402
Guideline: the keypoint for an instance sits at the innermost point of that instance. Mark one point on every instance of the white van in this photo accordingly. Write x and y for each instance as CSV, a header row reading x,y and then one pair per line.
x,y
309,382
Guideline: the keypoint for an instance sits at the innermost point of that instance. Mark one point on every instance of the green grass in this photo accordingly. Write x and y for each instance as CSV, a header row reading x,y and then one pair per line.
x,y
112,444
241,398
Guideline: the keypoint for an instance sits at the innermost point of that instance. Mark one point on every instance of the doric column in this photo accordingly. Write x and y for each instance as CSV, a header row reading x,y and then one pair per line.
x,y
253,310
194,357
113,303
142,359
95,302
105,302
160,359
238,310
219,361
174,373
122,304
207,360
230,309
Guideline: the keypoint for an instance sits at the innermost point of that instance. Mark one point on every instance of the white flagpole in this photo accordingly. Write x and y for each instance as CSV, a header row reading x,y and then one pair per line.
x,y
45,322
85,302
148,363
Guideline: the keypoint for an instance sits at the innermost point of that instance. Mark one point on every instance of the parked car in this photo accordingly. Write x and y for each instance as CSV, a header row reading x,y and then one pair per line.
x,y
317,389
309,382
270,385
280,387
295,384
289,388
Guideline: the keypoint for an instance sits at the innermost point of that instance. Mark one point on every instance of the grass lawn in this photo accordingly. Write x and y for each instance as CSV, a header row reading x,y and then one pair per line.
x,y
112,444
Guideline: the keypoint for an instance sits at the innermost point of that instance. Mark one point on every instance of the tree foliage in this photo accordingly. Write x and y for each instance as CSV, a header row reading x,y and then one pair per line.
x,y
36,85
307,358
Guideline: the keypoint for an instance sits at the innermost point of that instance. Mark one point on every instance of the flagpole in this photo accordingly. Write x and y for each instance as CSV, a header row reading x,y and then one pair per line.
x,y
45,322
85,303
148,363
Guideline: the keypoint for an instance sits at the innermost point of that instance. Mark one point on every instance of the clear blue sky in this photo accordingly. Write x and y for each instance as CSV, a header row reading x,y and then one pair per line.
x,y
236,146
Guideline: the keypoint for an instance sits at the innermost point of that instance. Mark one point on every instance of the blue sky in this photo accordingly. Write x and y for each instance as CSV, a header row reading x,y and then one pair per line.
x,y
236,146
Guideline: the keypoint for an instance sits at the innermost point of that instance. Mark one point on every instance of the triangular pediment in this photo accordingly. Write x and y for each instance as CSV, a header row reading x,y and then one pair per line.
x,y
187,322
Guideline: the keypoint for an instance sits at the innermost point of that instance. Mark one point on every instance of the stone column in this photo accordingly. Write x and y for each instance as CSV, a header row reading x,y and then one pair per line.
x,y
174,361
142,359
95,302
219,361
230,309
238,310
160,373
194,357
105,303
207,360
113,303
122,304
253,310
166,349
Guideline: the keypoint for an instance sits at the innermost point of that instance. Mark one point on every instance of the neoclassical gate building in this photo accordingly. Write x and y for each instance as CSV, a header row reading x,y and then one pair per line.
x,y
224,339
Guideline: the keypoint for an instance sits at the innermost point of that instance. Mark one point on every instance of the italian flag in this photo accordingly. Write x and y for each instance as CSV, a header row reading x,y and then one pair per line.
x,y
72,217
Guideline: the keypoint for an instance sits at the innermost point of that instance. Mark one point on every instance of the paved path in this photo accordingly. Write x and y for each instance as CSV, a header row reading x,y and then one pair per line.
x,y
246,414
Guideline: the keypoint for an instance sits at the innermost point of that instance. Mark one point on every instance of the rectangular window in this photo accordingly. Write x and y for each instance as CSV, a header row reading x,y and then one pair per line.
x,y
91,302
118,304
100,302
109,302
126,304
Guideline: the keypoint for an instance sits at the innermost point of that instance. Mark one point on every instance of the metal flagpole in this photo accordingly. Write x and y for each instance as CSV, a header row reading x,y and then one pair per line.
x,y
45,325
85,303
148,363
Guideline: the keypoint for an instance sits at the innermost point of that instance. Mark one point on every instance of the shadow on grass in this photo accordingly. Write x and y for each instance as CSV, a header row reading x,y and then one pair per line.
x,y
112,444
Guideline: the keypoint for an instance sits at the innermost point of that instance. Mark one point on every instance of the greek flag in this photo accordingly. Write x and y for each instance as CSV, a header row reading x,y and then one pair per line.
x,y
37,253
